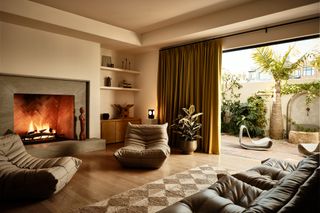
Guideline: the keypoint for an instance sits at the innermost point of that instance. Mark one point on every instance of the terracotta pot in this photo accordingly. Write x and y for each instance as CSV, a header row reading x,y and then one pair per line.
x,y
188,147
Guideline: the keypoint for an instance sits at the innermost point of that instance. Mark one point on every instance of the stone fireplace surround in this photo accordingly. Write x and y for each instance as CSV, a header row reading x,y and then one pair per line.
x,y
11,84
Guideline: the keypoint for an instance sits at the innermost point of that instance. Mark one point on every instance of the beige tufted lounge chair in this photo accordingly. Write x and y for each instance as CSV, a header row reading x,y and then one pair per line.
x,y
146,146
23,176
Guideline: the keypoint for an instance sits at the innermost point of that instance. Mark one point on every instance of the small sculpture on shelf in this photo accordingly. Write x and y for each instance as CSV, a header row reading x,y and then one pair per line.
x,y
126,64
125,84
107,81
123,112
82,119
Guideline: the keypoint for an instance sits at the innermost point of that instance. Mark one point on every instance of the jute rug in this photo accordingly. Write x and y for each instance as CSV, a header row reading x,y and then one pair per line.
x,y
159,194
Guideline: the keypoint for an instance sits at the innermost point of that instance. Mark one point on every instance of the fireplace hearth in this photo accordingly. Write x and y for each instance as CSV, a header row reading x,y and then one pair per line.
x,y
40,118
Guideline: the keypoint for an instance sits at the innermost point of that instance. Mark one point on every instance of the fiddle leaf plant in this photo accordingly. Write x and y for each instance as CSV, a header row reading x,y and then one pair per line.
x,y
187,124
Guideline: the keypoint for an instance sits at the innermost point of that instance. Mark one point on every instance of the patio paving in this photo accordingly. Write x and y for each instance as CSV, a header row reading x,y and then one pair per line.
x,y
280,149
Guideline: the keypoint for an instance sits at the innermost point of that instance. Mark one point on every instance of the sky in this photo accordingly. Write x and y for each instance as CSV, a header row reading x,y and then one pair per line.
x,y
240,61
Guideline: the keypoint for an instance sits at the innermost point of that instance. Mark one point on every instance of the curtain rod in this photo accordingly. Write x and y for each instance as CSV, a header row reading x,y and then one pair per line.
x,y
240,33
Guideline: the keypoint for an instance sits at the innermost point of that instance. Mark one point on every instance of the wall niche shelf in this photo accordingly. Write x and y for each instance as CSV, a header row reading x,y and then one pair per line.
x,y
120,70
120,89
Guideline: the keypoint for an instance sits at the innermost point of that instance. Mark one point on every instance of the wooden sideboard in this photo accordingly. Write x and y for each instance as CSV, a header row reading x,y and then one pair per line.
x,y
114,130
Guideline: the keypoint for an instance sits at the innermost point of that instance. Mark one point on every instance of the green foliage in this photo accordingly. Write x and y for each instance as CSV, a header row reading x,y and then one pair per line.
x,y
316,60
303,129
252,114
230,91
230,86
311,89
187,125
279,66
234,114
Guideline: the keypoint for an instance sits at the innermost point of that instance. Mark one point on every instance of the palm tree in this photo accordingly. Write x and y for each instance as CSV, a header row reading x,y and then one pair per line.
x,y
315,62
281,68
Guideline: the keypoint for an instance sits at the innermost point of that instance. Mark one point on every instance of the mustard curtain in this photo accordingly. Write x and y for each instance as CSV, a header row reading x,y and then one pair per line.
x,y
188,75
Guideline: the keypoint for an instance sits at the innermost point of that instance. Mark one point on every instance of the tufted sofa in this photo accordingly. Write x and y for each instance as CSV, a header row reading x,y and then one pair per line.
x,y
284,187
146,146
23,176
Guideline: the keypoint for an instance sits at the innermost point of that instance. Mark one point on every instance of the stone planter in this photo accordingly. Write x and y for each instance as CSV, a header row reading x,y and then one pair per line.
x,y
297,137
188,147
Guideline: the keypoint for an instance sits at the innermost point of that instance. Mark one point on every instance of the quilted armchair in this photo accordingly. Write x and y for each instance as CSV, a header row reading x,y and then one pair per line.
x,y
23,176
146,146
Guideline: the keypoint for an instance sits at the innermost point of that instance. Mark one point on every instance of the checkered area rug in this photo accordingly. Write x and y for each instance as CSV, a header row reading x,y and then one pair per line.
x,y
159,194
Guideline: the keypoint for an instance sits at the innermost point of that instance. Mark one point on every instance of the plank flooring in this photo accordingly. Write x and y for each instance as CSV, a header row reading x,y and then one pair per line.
x,y
101,176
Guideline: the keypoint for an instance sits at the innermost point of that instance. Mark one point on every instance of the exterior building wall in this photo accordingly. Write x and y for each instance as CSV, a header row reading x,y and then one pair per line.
x,y
298,111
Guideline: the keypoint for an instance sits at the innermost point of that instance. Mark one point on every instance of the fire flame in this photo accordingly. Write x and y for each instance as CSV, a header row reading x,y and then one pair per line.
x,y
37,127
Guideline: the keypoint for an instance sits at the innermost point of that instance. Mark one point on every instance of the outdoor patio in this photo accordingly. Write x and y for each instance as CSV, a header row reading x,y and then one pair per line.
x,y
280,149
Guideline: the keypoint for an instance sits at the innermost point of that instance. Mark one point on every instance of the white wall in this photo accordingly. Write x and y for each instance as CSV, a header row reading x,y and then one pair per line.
x,y
31,52
146,99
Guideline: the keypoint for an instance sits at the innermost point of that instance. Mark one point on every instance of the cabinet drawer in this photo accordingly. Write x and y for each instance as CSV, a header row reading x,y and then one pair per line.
x,y
121,128
114,130
108,131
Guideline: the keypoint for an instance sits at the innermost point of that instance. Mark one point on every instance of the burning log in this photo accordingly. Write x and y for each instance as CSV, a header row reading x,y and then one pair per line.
x,y
31,132
41,134
40,137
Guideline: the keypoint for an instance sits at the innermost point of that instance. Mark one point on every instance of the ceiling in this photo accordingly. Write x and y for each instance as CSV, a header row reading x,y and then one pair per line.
x,y
151,24
141,16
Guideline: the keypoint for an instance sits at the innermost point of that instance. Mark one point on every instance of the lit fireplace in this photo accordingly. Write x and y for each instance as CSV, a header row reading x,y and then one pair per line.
x,y
39,133
44,118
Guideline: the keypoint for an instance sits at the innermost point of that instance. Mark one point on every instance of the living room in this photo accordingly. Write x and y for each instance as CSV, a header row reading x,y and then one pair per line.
x,y
56,45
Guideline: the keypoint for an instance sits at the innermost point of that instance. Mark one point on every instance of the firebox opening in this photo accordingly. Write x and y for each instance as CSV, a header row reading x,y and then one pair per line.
x,y
44,118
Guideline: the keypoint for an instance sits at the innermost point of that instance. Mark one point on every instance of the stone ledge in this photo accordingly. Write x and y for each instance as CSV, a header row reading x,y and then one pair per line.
x,y
297,137
65,148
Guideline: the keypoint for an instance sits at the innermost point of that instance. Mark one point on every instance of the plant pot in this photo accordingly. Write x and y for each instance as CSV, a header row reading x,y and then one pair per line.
x,y
297,137
188,147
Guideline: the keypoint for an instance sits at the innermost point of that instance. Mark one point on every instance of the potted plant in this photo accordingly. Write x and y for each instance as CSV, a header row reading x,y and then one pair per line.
x,y
187,126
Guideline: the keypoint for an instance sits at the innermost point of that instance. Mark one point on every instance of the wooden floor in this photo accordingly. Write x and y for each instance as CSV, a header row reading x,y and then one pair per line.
x,y
101,176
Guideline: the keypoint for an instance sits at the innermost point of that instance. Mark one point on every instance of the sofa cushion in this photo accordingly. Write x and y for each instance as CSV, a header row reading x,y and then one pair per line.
x,y
280,164
297,191
238,192
146,135
290,188
263,177
226,195
307,197
19,183
23,176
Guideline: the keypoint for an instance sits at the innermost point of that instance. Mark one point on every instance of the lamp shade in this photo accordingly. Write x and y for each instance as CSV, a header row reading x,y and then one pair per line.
x,y
151,113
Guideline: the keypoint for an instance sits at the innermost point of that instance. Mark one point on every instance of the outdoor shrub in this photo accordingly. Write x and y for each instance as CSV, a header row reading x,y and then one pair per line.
x,y
230,93
251,114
